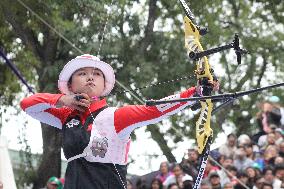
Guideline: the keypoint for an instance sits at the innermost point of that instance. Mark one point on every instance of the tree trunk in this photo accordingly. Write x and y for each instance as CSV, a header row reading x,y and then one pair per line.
x,y
159,138
50,163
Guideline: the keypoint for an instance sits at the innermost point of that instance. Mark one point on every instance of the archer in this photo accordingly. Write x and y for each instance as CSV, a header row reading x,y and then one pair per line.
x,y
96,137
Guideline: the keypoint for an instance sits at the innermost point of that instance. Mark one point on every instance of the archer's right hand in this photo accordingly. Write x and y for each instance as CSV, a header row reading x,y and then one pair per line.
x,y
72,101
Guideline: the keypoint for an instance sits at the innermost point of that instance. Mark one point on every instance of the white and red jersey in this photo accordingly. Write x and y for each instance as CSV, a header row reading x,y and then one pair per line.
x,y
112,126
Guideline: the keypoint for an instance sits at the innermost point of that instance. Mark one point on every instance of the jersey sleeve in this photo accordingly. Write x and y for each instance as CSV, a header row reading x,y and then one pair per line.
x,y
42,106
128,118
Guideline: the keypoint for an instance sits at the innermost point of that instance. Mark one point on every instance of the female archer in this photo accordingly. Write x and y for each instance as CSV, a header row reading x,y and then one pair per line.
x,y
96,137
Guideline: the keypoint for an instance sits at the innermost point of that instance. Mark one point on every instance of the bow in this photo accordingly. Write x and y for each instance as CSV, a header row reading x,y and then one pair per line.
x,y
204,133
204,76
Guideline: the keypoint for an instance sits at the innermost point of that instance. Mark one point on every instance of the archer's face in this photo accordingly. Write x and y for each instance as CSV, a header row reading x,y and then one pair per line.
x,y
88,80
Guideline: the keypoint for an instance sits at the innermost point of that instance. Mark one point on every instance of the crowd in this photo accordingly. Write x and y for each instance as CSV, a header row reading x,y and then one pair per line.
x,y
243,162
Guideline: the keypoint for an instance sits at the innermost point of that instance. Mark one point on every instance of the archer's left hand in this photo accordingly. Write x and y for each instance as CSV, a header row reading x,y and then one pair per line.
x,y
207,88
215,84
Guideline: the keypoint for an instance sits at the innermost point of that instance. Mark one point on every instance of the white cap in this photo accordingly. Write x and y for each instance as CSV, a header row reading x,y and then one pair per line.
x,y
187,177
82,61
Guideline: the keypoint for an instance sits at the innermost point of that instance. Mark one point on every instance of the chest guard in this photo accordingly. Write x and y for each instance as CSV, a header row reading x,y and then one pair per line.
x,y
105,146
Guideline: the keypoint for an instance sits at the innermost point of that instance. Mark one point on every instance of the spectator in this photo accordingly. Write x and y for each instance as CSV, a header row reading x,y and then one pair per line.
x,y
243,140
228,185
227,160
129,184
1,185
270,153
215,155
176,177
243,177
54,183
164,171
214,180
187,182
258,182
278,135
271,138
209,168
264,118
278,160
262,141
270,114
249,151
229,148
190,164
252,175
279,173
221,158
205,185
269,120
141,183
258,169
156,184
275,101
173,186
281,149
266,185
270,178
233,174
241,162
274,114
228,175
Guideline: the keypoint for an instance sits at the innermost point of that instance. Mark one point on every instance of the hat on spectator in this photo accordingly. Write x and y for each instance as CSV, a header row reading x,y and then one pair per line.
x,y
244,139
55,181
213,174
257,166
274,99
215,154
187,178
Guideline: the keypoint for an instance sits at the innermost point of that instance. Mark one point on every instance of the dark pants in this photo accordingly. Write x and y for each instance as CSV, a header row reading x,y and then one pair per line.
x,y
81,174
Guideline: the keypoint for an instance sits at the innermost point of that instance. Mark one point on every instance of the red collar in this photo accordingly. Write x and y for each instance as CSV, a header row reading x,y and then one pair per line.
x,y
97,105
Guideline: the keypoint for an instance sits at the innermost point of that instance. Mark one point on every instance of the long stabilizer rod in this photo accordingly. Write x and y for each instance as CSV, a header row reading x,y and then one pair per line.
x,y
227,96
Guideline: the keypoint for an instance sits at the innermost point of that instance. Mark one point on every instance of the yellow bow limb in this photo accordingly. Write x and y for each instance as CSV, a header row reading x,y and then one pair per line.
x,y
192,44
